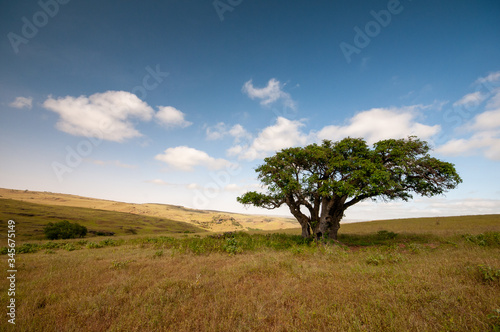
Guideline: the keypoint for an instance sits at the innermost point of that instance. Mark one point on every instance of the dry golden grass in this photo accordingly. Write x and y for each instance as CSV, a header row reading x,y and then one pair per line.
x,y
429,277
145,287
215,221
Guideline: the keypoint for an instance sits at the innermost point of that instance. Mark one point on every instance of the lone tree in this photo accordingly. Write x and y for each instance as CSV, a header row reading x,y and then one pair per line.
x,y
324,180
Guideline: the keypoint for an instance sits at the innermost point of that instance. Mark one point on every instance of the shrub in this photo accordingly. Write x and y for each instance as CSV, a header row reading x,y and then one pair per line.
x,y
64,230
130,230
488,239
386,235
27,248
69,247
231,246
108,242
486,273
93,245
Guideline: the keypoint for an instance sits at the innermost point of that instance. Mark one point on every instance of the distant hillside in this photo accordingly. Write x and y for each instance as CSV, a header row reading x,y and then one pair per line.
x,y
31,218
214,221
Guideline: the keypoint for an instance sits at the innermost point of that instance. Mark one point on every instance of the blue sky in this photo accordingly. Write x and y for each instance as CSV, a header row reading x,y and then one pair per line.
x,y
177,102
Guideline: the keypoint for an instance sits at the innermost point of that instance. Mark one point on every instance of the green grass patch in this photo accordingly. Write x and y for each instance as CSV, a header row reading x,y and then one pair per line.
x,y
31,219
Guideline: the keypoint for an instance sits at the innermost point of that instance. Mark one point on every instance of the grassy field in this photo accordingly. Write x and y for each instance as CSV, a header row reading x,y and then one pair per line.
x,y
215,221
429,274
31,218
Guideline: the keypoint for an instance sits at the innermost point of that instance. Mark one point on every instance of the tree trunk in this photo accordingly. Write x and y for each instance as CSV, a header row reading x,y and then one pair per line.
x,y
334,224
306,230
334,228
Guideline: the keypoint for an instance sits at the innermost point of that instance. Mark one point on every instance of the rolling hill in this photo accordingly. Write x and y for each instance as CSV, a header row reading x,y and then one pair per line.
x,y
34,209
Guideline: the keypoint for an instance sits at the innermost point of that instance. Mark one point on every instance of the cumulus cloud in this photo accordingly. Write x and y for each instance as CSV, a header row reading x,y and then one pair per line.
x,y
269,94
22,102
483,131
185,158
381,123
220,130
285,133
169,116
373,125
216,132
102,115
471,99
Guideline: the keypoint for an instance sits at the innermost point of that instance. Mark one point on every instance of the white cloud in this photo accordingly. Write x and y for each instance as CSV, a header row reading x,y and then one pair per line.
x,y
232,187
159,182
116,163
487,120
284,134
185,158
22,102
484,131
220,130
424,207
373,125
193,186
381,123
216,132
102,115
492,77
239,133
269,94
471,99
169,116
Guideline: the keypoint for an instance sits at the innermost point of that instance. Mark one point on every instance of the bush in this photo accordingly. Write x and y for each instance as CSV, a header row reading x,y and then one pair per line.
x,y
488,239
27,248
130,230
64,230
486,273
386,235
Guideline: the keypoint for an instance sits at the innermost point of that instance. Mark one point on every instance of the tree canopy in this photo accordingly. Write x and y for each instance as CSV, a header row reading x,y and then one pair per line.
x,y
319,182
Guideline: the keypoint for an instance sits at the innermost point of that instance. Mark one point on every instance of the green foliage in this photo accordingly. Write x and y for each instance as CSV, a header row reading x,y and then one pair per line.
x,y
379,259
64,230
69,247
326,179
108,242
130,230
386,235
488,239
486,273
231,246
28,248
494,318
94,245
